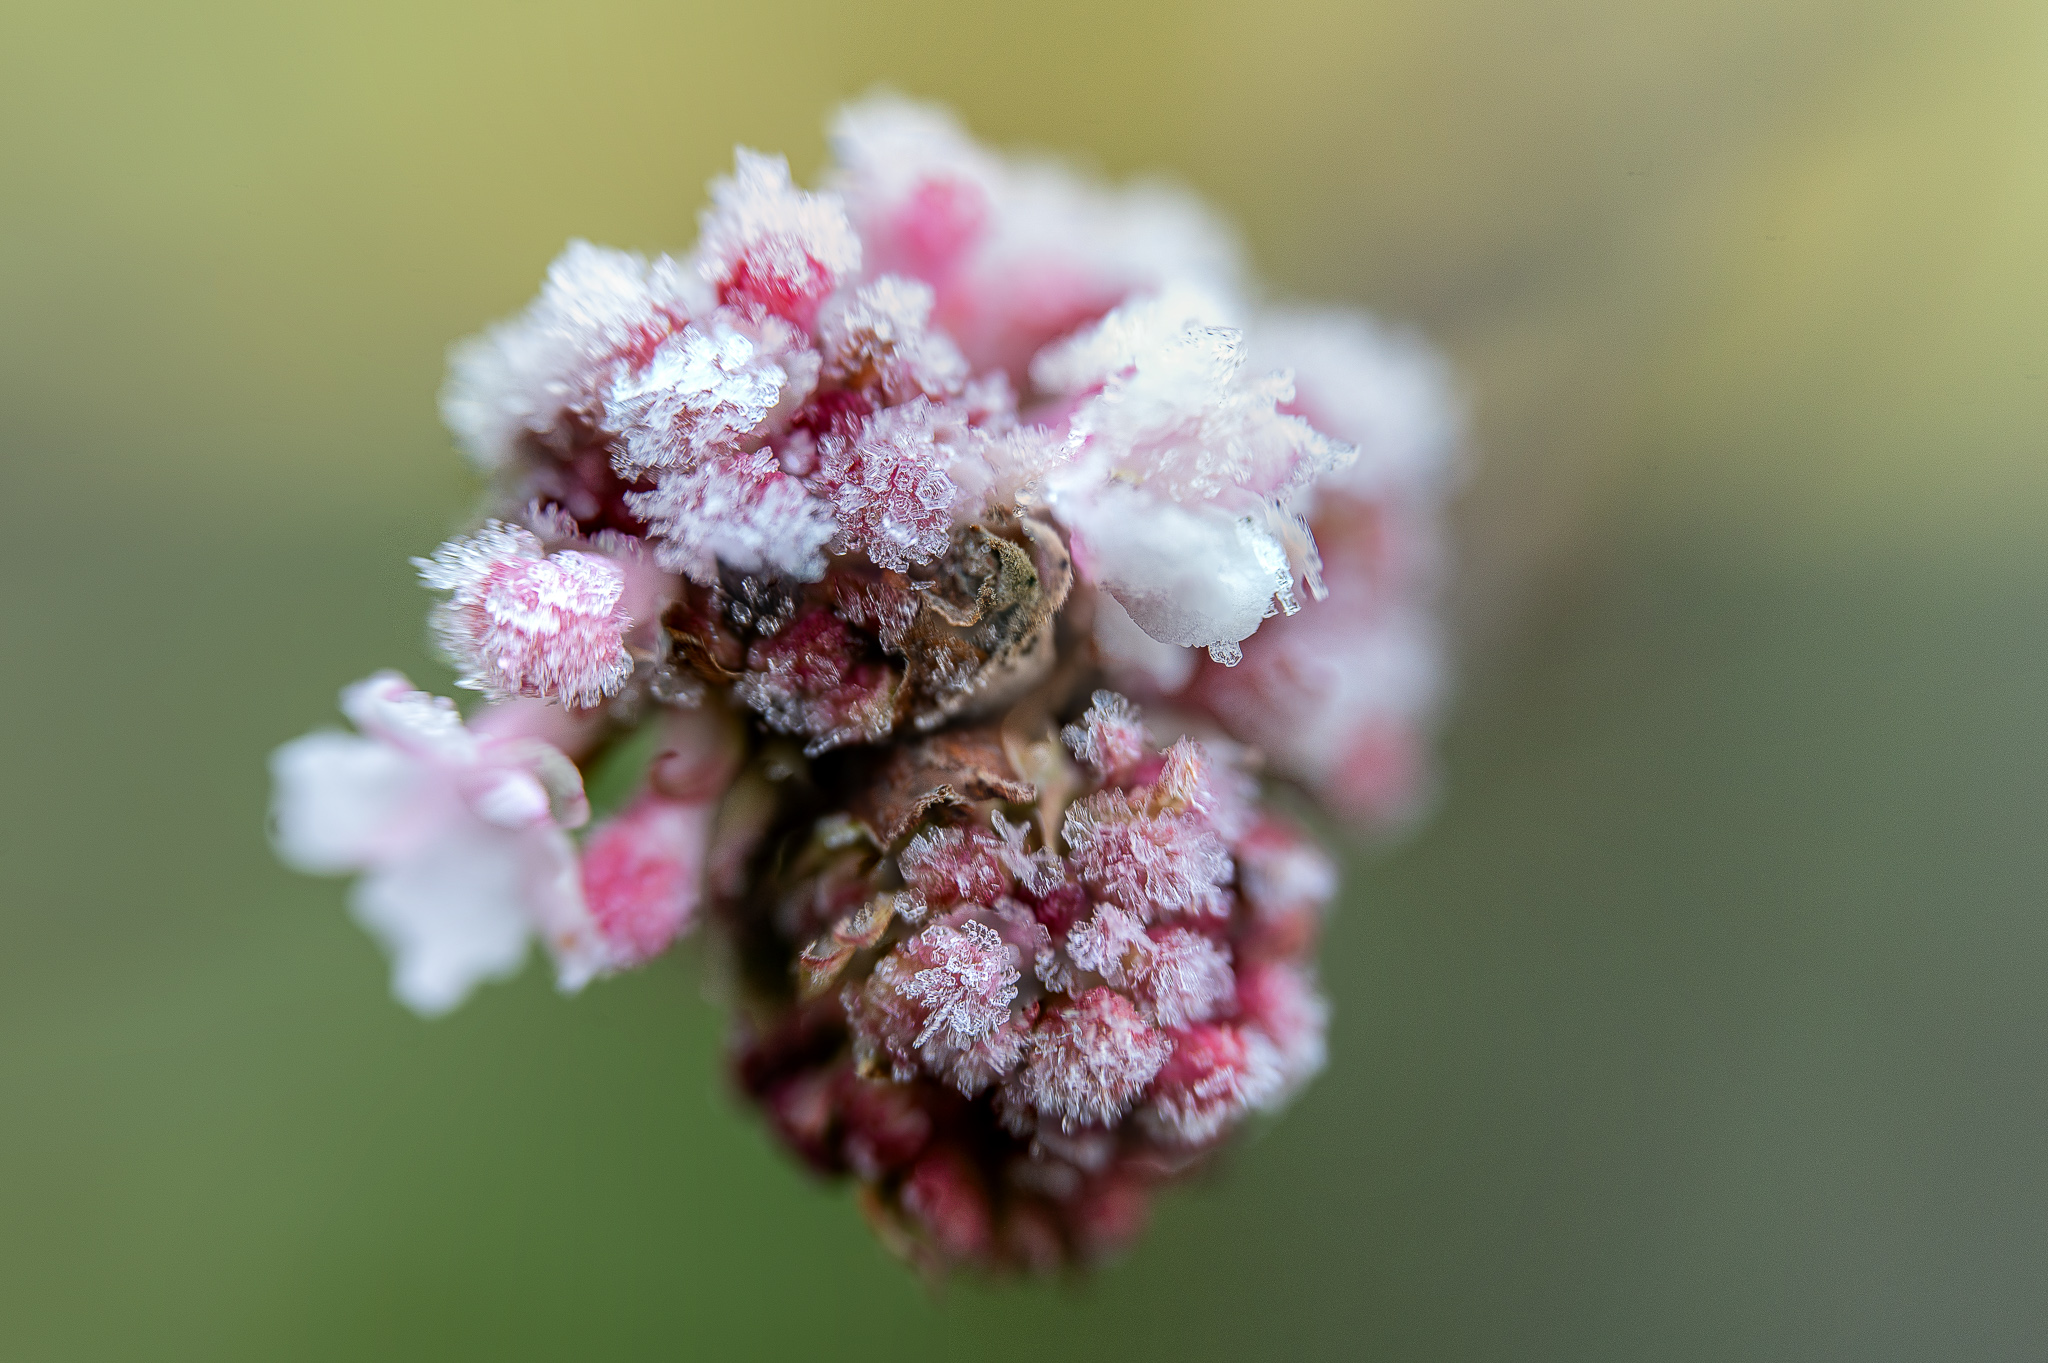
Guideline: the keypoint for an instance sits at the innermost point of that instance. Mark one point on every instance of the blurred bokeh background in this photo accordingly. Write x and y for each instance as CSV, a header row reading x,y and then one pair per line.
x,y
1706,1018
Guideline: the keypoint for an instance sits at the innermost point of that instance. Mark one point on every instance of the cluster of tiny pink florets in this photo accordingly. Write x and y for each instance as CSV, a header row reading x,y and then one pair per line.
x,y
855,506
1108,1018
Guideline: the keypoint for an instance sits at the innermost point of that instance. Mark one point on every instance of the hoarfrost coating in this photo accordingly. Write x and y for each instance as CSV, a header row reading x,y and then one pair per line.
x,y
973,554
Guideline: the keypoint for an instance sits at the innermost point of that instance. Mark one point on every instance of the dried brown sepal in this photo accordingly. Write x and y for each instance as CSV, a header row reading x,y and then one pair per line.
x,y
1032,742
886,1221
744,818
955,768
700,642
822,962
983,631
820,965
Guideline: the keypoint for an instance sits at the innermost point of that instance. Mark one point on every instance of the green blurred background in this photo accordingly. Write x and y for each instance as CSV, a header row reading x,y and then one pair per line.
x,y
1705,1020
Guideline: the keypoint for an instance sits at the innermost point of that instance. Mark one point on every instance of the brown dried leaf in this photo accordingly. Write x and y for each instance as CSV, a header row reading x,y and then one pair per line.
x,y
955,768
984,629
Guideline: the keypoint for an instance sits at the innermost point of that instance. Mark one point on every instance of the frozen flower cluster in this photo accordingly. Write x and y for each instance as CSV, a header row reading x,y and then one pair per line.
x,y
949,559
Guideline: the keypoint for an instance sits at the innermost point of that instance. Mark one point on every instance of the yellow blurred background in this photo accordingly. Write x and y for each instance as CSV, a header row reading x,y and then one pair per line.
x,y
1705,1019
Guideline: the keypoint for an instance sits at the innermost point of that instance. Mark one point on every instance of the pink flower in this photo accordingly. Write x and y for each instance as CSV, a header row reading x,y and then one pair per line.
x,y
519,622
949,1202
1287,882
881,338
642,875
816,678
1277,1001
1331,697
856,501
1216,1074
1149,864
766,243
967,988
943,998
458,837
1110,738
1178,503
950,864
1177,976
1019,251
888,486
705,389
532,380
740,510
1090,1059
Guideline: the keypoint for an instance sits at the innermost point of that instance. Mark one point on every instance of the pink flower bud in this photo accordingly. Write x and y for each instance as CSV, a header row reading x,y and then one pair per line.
x,y
642,874
1149,864
1215,1074
1110,738
889,488
522,623
1090,1059
767,244
949,865
856,503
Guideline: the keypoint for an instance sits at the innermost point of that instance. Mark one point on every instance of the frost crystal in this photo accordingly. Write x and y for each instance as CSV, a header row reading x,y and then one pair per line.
x,y
948,865
889,489
1215,1075
701,392
943,999
881,339
767,243
968,987
1178,976
813,679
1090,1059
981,555
521,623
740,511
1147,863
533,377
1110,738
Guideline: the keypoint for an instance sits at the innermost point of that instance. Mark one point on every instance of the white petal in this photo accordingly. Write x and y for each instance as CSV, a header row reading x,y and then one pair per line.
x,y
510,799
1199,578
1130,654
337,799
386,706
554,898
451,915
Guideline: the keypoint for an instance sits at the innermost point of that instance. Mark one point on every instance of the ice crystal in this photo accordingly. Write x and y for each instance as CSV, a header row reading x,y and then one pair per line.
x,y
1177,975
702,391
981,556
1091,1059
968,987
943,999
812,679
889,489
531,377
1214,1076
739,511
881,338
522,623
1147,863
1110,738
948,865
767,243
